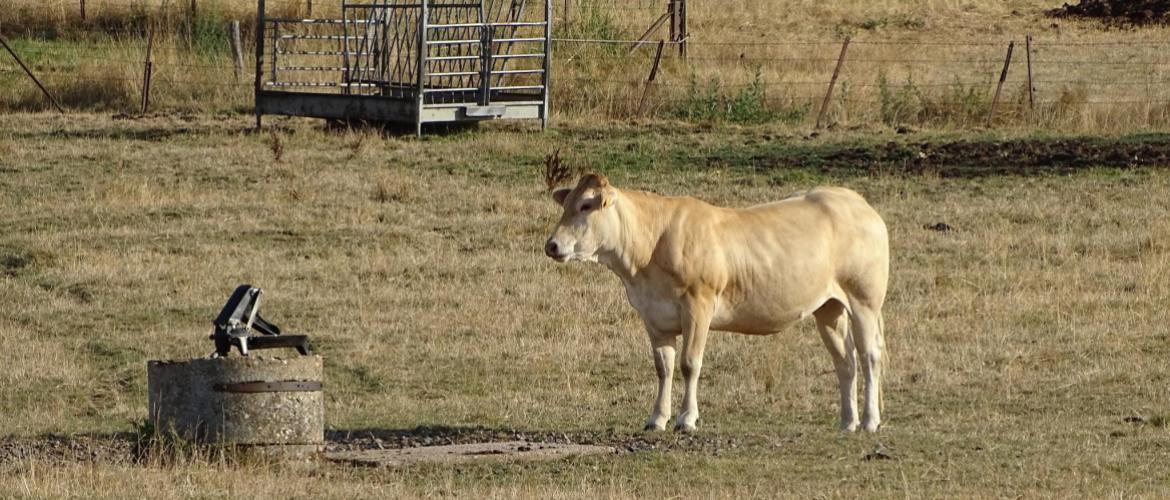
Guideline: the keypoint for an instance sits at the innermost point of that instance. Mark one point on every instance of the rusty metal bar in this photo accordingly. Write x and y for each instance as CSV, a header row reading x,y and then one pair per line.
x,y
832,82
1031,87
147,71
650,80
280,386
649,31
31,75
999,87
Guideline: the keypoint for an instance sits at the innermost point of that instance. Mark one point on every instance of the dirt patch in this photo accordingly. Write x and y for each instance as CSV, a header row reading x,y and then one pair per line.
x,y
965,158
621,442
465,453
110,449
1126,11
125,448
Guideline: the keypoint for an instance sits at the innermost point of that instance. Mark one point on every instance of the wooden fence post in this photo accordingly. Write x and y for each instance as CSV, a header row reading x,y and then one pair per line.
x,y
237,51
678,25
31,75
147,71
1031,87
259,61
999,87
310,8
83,11
650,80
832,82
193,12
566,19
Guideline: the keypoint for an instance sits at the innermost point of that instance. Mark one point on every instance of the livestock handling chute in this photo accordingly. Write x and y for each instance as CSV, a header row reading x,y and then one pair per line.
x,y
408,62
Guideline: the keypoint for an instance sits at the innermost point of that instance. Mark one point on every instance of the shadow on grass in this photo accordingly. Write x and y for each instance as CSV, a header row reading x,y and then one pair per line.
x,y
394,129
142,129
159,133
625,441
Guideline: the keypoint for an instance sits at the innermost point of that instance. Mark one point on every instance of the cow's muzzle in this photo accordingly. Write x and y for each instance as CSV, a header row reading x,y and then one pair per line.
x,y
551,250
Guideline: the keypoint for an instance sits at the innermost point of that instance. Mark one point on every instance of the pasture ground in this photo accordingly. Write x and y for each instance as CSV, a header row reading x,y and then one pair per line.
x,y
1027,344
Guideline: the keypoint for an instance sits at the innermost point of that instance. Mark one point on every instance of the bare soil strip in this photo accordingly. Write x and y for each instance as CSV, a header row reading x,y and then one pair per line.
x,y
974,158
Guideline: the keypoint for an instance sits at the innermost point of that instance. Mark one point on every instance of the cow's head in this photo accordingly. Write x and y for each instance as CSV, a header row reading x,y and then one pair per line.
x,y
588,225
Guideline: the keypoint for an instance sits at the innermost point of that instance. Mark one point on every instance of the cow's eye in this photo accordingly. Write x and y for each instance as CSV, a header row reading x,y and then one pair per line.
x,y
586,207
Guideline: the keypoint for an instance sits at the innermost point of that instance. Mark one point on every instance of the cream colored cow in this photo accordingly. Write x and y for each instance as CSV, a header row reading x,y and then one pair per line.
x,y
689,267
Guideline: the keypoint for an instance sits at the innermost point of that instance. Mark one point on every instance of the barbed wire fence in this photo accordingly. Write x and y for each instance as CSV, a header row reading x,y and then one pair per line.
x,y
667,71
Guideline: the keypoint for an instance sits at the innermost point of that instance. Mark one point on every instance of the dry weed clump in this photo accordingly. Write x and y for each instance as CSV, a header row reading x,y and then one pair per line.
x,y
276,145
394,187
557,172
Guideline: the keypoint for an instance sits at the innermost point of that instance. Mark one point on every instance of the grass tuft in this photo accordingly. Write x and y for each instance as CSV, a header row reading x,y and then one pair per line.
x,y
276,145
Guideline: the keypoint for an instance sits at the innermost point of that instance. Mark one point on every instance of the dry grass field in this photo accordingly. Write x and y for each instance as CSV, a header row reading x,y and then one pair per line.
x,y
1027,345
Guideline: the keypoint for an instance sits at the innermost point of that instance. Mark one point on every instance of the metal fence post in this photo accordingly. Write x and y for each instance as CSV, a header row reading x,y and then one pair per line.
x,y
31,75
486,51
832,82
999,87
650,31
422,64
548,22
147,71
650,80
1031,88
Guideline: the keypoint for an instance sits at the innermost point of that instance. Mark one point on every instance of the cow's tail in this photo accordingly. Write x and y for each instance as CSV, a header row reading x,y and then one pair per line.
x,y
881,338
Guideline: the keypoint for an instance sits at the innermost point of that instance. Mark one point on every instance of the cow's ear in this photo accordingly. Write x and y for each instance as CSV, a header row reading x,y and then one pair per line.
x,y
560,195
606,200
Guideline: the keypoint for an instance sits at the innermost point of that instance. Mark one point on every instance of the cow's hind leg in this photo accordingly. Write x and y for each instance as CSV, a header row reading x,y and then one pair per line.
x,y
833,325
696,324
867,333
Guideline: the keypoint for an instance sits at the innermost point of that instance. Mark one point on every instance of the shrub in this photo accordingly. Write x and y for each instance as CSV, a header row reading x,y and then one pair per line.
x,y
900,105
749,105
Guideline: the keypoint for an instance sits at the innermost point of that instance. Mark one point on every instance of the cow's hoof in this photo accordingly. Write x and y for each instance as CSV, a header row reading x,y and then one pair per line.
x,y
849,427
871,426
686,422
656,422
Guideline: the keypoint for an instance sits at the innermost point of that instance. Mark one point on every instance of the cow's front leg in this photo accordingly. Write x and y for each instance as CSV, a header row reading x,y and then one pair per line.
x,y
696,321
663,351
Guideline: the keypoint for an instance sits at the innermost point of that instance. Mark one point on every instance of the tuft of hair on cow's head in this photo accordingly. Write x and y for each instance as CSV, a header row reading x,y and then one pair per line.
x,y
593,184
556,172
593,180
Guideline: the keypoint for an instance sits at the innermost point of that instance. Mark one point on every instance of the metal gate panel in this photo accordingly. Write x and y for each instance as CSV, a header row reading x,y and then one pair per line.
x,y
455,60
